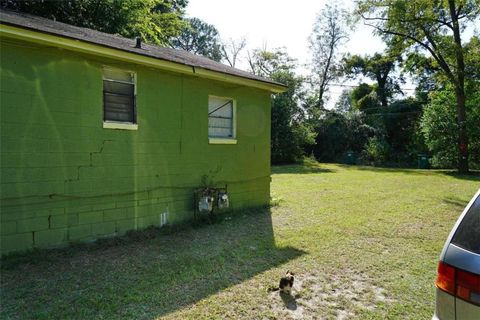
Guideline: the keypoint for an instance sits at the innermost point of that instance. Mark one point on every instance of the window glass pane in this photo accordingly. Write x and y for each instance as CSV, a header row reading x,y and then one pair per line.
x,y
118,87
220,117
118,96
118,108
118,75
467,235
215,122
220,132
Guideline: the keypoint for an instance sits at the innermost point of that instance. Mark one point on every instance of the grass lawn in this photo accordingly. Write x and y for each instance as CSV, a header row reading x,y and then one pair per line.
x,y
363,242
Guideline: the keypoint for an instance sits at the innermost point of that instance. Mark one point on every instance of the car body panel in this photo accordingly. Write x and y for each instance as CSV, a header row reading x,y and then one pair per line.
x,y
455,227
445,306
449,307
466,311
462,259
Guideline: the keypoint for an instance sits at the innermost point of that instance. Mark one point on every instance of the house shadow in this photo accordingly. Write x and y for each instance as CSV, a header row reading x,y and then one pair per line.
x,y
150,278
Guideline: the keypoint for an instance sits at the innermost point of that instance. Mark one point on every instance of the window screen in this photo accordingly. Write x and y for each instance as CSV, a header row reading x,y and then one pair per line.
x,y
467,235
220,118
118,96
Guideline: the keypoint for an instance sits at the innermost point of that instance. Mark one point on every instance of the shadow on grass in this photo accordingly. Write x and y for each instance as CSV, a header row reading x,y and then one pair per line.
x,y
145,279
457,202
473,176
289,301
383,169
307,166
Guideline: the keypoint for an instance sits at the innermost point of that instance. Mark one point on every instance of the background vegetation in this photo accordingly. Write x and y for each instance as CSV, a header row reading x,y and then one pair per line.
x,y
378,121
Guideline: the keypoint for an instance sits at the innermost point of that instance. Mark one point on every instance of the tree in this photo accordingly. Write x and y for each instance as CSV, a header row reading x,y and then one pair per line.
x,y
439,127
154,21
400,122
339,132
433,27
344,103
364,98
329,33
200,38
378,68
290,132
266,63
231,50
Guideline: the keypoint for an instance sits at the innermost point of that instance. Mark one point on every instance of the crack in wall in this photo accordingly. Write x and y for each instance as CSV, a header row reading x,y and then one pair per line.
x,y
91,161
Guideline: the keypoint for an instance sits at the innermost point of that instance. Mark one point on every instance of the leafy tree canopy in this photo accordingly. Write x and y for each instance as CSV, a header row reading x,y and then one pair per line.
x,y
200,38
344,103
439,127
364,98
290,132
435,28
155,21
379,68
266,63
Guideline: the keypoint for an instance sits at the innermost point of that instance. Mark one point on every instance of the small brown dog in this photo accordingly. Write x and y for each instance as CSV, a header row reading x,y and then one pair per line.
x,y
286,283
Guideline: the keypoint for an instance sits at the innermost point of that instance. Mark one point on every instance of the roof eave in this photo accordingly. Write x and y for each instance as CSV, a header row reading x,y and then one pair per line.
x,y
26,34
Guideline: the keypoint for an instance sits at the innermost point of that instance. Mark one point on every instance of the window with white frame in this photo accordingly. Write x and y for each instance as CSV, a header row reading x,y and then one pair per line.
x,y
119,96
221,122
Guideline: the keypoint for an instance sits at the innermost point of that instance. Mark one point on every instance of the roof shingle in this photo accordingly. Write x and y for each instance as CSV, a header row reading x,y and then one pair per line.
x,y
120,43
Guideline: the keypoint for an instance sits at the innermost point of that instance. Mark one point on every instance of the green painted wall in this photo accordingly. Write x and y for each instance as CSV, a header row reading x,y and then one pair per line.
x,y
65,178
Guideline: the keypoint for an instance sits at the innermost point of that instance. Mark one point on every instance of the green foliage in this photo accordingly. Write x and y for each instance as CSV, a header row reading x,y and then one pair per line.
x,y
433,29
338,133
344,102
155,21
440,129
265,63
291,133
472,58
200,38
381,135
400,122
376,150
364,98
378,68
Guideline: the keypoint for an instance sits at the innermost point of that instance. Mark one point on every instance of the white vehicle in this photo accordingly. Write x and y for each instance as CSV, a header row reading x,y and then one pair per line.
x,y
458,278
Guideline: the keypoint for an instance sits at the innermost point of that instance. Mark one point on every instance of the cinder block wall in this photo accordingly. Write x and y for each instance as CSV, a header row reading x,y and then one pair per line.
x,y
65,178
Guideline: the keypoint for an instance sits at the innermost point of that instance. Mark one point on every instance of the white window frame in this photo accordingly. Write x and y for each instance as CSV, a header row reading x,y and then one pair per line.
x,y
233,139
123,125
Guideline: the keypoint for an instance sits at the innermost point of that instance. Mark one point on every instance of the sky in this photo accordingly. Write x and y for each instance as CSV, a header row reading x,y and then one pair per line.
x,y
278,23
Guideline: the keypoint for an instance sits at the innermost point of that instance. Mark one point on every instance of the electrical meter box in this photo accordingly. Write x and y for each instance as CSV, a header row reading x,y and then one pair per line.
x,y
223,202
205,204
207,200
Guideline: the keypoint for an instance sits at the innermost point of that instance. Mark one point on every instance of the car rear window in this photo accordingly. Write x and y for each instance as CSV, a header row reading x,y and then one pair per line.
x,y
468,232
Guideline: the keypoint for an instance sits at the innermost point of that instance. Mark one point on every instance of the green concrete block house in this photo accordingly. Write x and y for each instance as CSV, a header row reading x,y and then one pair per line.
x,y
102,134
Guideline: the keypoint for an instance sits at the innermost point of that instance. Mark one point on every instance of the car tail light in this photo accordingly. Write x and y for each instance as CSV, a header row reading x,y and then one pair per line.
x,y
446,278
457,282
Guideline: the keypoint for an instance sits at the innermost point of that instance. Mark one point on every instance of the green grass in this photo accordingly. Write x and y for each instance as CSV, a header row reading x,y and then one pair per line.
x,y
364,243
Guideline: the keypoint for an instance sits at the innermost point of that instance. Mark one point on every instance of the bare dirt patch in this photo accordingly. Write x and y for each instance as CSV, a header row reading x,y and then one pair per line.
x,y
328,296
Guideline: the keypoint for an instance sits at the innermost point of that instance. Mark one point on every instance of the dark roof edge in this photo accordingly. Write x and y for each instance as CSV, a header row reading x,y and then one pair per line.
x,y
93,37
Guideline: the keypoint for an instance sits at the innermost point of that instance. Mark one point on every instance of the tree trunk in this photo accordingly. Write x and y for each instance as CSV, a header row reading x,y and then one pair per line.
x,y
460,92
462,132
382,81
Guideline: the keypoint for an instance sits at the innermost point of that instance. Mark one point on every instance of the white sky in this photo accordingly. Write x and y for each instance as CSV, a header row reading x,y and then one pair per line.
x,y
277,23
